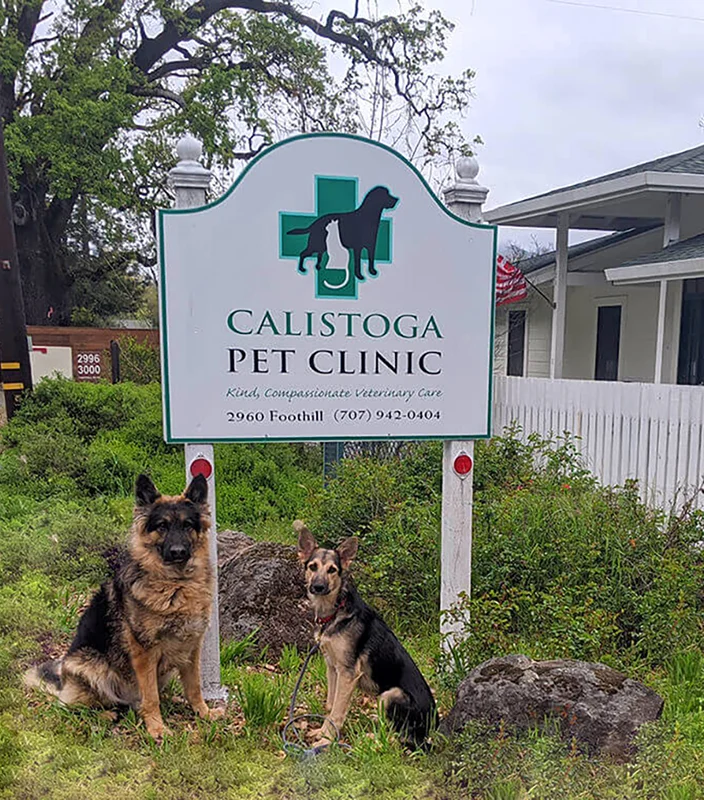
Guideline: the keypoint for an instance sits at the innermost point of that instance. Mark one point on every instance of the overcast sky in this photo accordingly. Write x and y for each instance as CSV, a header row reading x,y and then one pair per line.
x,y
565,93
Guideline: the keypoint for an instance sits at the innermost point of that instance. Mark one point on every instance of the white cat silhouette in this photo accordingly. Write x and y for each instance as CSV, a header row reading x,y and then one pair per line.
x,y
338,255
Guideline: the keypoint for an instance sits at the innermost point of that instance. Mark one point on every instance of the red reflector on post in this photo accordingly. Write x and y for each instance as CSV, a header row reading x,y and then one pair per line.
x,y
462,465
201,466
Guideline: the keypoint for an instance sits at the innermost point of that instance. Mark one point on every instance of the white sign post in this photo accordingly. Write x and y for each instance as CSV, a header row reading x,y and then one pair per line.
x,y
190,181
329,296
464,198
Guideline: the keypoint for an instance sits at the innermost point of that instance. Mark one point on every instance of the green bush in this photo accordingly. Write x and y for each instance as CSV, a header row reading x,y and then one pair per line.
x,y
139,363
561,566
257,482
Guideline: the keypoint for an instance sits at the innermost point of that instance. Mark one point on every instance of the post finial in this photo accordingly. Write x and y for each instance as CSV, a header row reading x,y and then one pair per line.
x,y
467,169
189,178
189,148
464,195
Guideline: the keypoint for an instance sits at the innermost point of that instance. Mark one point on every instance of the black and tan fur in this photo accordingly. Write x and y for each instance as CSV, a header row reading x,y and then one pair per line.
x,y
359,648
147,622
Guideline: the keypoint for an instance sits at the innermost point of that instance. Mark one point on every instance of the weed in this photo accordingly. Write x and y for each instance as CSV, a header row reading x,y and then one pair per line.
x,y
263,700
506,789
237,652
290,660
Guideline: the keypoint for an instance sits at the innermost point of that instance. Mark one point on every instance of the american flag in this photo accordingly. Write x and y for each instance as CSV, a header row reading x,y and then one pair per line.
x,y
511,284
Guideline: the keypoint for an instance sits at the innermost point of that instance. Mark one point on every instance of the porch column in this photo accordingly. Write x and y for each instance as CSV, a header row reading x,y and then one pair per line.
x,y
660,341
671,234
673,215
557,344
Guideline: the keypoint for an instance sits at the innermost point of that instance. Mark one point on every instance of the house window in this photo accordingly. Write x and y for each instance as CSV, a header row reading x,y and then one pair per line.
x,y
516,342
608,342
690,365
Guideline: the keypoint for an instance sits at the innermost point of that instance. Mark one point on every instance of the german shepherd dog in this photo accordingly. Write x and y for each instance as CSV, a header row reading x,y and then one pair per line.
x,y
148,621
358,231
359,648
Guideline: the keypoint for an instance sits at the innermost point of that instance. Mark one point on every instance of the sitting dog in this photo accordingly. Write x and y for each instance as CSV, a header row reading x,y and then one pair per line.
x,y
359,648
149,619
359,230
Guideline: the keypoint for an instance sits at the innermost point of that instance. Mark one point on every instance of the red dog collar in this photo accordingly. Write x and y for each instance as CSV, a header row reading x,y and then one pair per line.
x,y
325,620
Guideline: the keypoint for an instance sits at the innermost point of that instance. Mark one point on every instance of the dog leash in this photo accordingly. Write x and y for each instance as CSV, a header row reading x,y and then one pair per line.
x,y
299,747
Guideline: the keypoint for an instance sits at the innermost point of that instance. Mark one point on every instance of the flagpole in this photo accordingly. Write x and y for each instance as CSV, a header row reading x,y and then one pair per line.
x,y
545,297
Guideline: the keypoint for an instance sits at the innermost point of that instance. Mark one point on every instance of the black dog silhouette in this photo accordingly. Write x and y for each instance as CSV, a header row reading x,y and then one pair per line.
x,y
358,231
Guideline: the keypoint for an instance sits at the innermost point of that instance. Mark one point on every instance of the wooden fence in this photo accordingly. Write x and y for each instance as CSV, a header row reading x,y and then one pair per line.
x,y
651,432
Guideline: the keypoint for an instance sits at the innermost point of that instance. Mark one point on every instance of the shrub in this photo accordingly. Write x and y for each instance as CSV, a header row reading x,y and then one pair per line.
x,y
139,363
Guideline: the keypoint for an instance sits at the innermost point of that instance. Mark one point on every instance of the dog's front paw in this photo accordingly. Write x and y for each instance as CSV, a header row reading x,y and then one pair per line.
x,y
209,713
321,743
214,713
322,736
157,730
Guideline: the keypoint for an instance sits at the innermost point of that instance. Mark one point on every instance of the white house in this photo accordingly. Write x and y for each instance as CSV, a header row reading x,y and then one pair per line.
x,y
628,306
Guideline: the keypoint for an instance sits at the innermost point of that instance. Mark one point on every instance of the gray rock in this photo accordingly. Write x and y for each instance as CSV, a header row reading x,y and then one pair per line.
x,y
232,543
598,706
261,589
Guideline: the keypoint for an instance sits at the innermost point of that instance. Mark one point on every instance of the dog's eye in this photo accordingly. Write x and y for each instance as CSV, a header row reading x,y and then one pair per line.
x,y
162,527
312,567
332,570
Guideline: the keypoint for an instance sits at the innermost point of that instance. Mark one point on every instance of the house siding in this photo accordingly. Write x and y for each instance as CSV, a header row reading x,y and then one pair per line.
x,y
638,332
539,327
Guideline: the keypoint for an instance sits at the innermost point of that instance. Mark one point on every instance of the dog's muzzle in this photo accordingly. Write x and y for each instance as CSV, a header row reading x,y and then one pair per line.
x,y
319,588
178,554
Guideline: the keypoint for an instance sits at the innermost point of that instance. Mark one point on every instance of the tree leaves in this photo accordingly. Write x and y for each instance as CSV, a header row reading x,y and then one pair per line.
x,y
95,94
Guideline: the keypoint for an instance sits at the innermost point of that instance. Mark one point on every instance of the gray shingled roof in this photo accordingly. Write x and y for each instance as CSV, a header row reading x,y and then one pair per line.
x,y
680,251
581,249
689,161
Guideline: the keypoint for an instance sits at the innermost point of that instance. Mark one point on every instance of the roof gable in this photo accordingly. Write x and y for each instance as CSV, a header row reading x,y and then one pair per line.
x,y
535,263
678,251
689,161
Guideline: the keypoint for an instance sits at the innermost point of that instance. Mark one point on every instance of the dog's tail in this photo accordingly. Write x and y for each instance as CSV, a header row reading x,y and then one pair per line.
x,y
45,677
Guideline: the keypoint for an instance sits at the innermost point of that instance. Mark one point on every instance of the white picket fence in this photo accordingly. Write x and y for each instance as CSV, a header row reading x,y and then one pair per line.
x,y
651,432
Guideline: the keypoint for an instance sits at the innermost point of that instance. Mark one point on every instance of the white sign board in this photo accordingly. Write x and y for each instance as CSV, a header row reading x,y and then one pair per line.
x,y
328,295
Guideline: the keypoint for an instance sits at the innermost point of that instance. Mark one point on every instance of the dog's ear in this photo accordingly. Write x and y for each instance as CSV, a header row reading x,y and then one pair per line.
x,y
197,491
306,541
145,491
347,551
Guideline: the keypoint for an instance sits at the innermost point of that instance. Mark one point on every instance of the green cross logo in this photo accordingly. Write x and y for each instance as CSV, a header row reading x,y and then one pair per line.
x,y
339,231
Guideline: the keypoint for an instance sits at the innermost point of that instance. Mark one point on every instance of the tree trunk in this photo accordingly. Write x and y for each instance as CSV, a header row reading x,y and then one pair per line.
x,y
45,285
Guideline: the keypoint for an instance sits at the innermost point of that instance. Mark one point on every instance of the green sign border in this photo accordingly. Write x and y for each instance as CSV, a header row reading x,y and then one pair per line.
x,y
161,213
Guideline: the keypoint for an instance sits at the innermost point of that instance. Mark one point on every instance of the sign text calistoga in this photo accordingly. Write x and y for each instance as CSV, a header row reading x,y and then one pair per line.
x,y
364,312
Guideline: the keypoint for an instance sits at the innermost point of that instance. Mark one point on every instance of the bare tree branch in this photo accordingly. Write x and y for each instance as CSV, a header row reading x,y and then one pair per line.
x,y
150,51
160,92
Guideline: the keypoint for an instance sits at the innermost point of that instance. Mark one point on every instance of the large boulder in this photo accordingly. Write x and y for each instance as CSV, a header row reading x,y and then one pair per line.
x,y
598,706
232,543
261,589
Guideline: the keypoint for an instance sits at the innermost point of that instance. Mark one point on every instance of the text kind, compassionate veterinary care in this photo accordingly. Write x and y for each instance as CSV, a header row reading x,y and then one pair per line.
x,y
263,360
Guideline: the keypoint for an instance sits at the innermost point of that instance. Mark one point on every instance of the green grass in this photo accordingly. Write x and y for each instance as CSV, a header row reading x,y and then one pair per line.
x,y
561,567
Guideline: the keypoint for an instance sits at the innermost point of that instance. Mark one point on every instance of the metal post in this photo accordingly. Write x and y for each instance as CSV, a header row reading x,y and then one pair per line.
x,y
190,181
464,197
332,454
115,361
14,349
